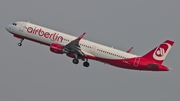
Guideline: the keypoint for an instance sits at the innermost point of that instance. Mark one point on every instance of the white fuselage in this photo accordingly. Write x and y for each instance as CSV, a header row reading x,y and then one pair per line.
x,y
49,36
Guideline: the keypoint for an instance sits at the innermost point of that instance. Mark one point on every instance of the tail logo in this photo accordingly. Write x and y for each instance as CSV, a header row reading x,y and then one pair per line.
x,y
161,51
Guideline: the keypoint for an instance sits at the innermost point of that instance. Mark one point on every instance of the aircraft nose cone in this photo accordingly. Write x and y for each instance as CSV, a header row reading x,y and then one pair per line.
x,y
7,27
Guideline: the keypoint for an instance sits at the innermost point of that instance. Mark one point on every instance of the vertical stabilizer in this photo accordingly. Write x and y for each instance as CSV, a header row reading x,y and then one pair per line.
x,y
159,53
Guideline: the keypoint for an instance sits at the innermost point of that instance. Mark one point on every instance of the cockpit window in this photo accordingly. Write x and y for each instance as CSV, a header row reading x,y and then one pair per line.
x,y
14,24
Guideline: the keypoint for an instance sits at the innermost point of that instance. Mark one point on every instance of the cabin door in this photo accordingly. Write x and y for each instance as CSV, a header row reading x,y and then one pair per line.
x,y
136,61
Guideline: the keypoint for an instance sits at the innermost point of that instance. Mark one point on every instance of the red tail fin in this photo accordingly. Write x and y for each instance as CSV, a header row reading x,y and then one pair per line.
x,y
159,53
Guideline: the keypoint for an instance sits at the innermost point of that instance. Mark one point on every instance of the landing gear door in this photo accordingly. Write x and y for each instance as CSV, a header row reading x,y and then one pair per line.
x,y
22,27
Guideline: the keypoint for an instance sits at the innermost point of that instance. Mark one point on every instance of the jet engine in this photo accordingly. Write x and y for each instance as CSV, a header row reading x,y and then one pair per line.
x,y
56,48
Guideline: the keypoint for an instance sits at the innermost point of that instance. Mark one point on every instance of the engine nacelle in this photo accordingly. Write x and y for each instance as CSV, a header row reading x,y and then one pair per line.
x,y
56,48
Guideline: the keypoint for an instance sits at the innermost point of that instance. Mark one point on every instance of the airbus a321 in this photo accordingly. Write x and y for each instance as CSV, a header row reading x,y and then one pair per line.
x,y
81,49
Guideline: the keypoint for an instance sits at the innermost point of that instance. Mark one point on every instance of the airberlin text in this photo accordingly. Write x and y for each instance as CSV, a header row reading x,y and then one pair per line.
x,y
42,33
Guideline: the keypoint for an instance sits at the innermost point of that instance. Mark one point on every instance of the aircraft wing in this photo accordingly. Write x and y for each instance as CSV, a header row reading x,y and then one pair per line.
x,y
74,47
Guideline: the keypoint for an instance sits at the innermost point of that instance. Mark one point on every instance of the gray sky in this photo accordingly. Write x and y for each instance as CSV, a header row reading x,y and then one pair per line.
x,y
33,73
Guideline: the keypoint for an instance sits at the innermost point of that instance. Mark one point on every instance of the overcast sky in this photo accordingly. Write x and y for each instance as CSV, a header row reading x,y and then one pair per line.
x,y
33,73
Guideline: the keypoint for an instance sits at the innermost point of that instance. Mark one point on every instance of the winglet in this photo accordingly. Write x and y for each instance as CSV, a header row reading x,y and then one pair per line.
x,y
80,37
128,51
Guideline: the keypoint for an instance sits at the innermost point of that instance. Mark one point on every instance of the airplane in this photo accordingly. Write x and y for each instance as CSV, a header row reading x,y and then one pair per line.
x,y
81,49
